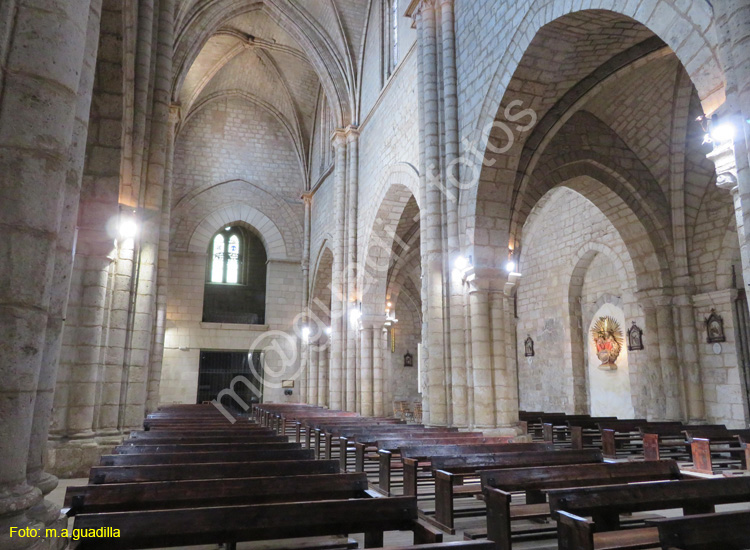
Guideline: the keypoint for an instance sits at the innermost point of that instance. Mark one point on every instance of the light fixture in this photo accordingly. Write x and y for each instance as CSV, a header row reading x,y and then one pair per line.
x,y
355,314
461,263
510,266
127,227
389,305
723,132
305,333
328,331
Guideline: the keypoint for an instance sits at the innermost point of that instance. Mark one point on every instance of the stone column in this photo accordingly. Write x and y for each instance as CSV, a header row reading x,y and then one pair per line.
x,y
504,376
323,366
651,381
378,351
691,371
481,352
352,146
306,364
431,226
338,327
37,118
157,355
366,368
668,354
732,158
312,380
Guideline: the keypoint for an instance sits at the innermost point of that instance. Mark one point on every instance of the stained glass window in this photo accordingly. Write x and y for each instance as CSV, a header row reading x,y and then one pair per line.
x,y
225,256
233,259
217,268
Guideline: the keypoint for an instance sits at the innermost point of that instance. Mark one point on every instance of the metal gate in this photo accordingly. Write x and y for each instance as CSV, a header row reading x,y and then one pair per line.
x,y
742,329
218,369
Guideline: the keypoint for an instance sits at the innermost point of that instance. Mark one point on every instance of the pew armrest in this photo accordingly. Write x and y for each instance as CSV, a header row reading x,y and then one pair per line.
x,y
425,533
574,532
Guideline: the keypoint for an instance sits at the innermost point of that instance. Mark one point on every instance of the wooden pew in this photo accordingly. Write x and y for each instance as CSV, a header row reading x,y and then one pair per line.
x,y
623,437
374,441
605,504
724,530
160,495
414,457
715,448
497,486
205,457
390,449
200,437
328,434
232,524
205,447
210,470
451,472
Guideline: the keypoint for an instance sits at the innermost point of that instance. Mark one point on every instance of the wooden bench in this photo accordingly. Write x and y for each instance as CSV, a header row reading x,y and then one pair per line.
x,y
232,524
210,470
713,449
328,434
125,449
605,504
375,441
204,457
451,473
724,531
497,486
414,457
160,495
622,438
391,449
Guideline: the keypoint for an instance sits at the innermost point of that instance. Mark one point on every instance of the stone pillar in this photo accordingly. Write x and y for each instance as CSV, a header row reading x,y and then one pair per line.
x,y
352,146
338,327
378,352
504,375
481,352
38,108
672,382
366,368
312,380
732,158
323,367
157,355
306,364
431,226
651,383
696,407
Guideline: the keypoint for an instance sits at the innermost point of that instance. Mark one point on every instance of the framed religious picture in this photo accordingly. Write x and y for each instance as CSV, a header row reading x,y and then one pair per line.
x,y
635,338
408,360
528,346
715,328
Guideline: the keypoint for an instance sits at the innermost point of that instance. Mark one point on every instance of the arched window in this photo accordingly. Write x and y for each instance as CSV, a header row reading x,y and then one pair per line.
x,y
390,36
394,34
235,288
226,258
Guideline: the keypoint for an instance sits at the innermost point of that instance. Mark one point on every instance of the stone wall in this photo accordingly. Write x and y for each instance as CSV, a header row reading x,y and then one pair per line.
x,y
561,270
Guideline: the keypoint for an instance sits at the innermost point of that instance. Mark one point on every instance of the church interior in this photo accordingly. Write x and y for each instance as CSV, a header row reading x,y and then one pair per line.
x,y
392,259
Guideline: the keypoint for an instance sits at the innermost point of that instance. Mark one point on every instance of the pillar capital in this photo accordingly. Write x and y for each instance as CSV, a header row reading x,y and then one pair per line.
x,y
307,198
352,133
654,297
338,138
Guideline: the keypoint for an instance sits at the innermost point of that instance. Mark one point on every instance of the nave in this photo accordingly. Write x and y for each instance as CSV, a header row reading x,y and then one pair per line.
x,y
308,477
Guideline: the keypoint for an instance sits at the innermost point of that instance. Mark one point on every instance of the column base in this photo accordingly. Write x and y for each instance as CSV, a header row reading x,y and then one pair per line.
x,y
22,506
71,458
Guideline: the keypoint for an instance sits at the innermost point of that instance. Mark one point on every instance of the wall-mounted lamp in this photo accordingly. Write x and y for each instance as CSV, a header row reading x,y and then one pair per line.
x,y
305,334
127,225
328,331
